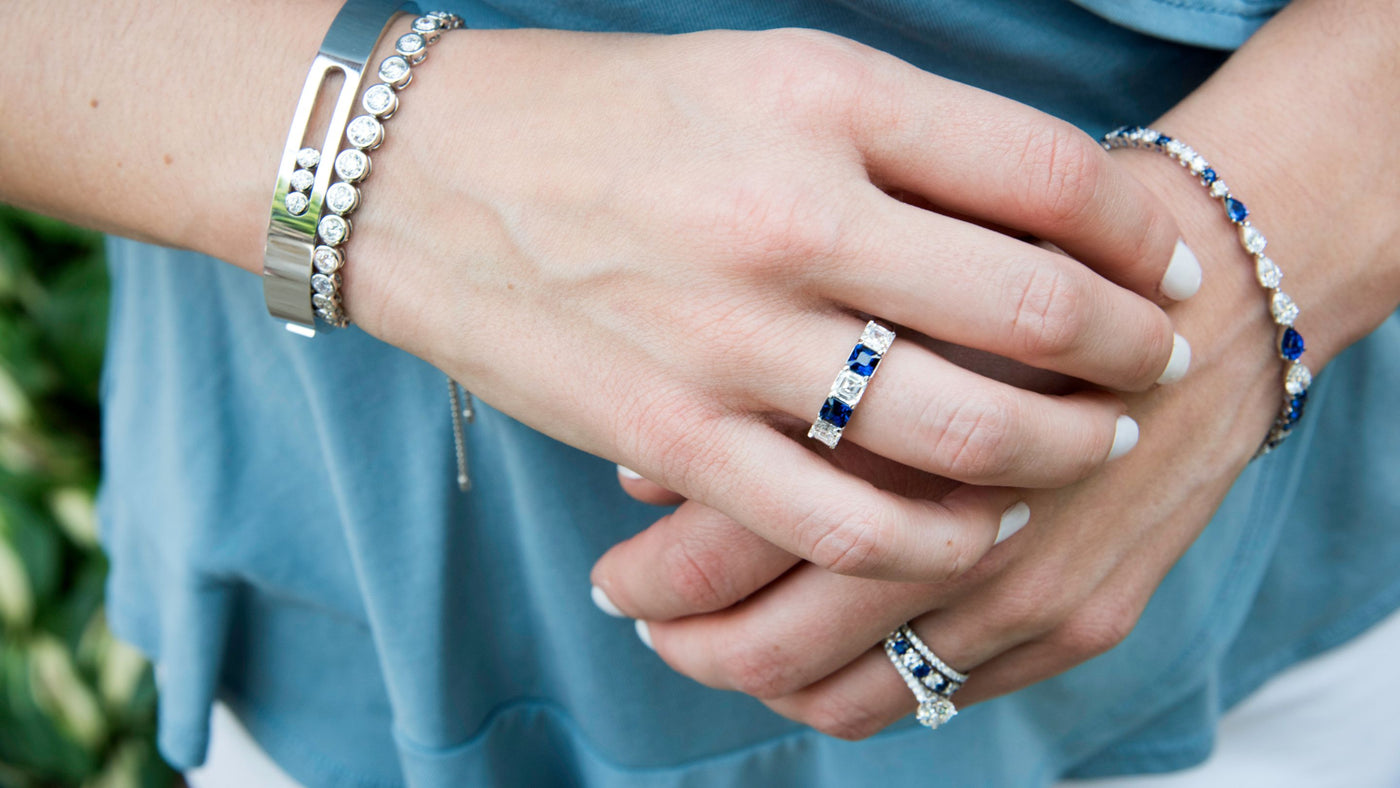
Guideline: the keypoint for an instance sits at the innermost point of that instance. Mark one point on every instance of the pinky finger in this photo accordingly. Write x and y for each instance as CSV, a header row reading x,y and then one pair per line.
x,y
645,490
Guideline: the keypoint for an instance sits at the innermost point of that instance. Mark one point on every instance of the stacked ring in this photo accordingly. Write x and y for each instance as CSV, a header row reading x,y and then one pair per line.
x,y
932,680
850,384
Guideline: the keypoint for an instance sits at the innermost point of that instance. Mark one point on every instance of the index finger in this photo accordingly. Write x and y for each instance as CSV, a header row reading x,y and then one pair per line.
x,y
988,157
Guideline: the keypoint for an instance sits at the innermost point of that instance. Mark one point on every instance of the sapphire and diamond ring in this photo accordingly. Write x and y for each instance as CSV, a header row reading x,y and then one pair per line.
x,y
932,680
850,384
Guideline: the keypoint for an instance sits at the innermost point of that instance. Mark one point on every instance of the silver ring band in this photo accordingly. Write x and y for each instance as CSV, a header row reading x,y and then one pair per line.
x,y
850,384
932,680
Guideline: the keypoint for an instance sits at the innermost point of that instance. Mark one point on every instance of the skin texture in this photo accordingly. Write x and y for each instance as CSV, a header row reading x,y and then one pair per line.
x,y
737,614
649,206
654,218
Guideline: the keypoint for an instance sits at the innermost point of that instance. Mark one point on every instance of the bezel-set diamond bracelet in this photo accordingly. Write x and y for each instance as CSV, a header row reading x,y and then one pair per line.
x,y
300,190
352,165
1289,345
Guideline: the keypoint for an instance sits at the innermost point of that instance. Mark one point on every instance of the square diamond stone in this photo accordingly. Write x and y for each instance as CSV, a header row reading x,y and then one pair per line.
x,y
849,387
825,432
877,337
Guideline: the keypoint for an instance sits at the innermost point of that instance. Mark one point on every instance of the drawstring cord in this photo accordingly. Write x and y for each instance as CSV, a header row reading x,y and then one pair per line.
x,y
462,414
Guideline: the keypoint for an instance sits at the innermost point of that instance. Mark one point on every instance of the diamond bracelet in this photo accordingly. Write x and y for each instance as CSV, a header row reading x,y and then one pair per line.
x,y
352,165
300,189
1289,343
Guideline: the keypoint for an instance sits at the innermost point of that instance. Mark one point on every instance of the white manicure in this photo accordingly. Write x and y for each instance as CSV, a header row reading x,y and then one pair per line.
x,y
1179,362
1013,520
1183,276
644,632
1125,437
628,473
600,598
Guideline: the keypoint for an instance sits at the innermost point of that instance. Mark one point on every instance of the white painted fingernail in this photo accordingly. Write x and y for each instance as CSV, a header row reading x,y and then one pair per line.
x,y
1179,362
1013,520
600,598
644,632
1125,437
1183,276
628,473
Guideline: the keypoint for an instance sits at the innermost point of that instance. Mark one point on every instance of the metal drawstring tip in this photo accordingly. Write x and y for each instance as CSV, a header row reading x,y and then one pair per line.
x,y
463,483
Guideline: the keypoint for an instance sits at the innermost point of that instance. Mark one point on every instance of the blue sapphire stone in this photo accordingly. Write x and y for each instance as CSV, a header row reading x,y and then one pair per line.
x,y
1291,345
863,361
939,684
1163,140
836,412
920,670
1300,398
1208,175
1236,210
901,646
1293,415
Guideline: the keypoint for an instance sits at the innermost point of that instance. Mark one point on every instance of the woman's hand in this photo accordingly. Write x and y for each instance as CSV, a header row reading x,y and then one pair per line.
x,y
1073,583
656,249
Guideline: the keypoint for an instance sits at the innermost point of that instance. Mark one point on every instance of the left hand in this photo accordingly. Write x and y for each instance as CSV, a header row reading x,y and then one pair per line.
x,y
733,612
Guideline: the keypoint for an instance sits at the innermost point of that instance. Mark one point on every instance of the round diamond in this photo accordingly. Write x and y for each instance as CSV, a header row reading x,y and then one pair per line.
x,y
380,101
308,158
1219,189
1298,379
297,203
333,229
396,71
321,300
302,180
1267,272
364,132
1252,239
325,284
429,27
328,259
936,712
1197,164
412,46
1285,311
352,165
342,198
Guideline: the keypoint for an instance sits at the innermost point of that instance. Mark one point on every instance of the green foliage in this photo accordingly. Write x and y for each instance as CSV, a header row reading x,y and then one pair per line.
x,y
77,707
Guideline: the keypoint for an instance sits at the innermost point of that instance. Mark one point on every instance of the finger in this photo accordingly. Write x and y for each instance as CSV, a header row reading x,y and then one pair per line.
x,y
694,560
931,414
635,485
796,500
974,287
994,158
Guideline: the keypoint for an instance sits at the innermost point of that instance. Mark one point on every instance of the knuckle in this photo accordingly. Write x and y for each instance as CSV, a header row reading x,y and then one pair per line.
x,y
846,545
1062,167
697,577
974,441
1098,626
843,717
808,75
758,668
1034,605
1047,318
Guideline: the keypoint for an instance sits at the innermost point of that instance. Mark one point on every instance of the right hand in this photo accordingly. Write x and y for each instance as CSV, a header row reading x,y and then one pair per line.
x,y
656,248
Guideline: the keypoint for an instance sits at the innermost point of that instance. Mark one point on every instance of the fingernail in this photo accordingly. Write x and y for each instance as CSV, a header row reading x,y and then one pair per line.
x,y
644,632
1183,276
628,473
1013,520
600,598
1125,437
1179,362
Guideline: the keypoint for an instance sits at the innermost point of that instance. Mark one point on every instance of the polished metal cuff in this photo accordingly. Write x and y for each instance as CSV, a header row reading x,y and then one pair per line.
x,y
291,231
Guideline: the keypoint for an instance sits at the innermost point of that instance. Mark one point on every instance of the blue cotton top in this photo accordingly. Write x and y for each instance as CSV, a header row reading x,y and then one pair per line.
x,y
285,534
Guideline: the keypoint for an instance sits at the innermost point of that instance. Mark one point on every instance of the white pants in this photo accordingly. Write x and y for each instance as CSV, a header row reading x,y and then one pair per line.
x,y
1330,722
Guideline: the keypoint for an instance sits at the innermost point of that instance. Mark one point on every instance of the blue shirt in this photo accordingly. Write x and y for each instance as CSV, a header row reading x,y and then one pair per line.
x,y
285,533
